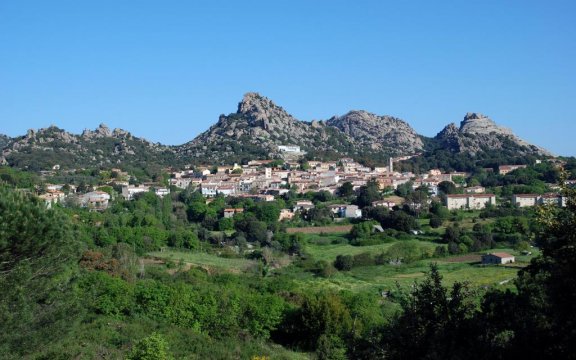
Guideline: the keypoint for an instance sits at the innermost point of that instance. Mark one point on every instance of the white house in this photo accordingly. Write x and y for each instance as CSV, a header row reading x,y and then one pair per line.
x,y
95,200
346,211
52,197
505,169
230,212
497,258
129,191
303,205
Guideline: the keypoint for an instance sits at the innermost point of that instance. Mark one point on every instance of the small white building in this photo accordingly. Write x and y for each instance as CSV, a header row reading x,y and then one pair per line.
x,y
52,197
181,182
230,212
129,191
499,258
95,200
289,148
505,169
385,203
161,192
346,211
303,205
475,190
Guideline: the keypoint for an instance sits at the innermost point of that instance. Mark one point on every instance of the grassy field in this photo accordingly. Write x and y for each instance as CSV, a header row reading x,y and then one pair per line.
x,y
381,277
385,277
331,251
204,260
375,278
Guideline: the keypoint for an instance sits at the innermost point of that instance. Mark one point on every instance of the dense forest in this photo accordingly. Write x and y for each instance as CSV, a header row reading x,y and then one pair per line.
x,y
81,284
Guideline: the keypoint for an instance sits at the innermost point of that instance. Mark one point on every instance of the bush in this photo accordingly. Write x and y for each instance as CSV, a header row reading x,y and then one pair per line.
x,y
153,347
344,262
435,222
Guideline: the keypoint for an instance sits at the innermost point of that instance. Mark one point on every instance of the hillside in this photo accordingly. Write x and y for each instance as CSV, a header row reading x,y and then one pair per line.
x,y
47,147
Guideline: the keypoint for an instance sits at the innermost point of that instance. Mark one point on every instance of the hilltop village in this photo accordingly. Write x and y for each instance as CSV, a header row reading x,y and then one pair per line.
x,y
265,180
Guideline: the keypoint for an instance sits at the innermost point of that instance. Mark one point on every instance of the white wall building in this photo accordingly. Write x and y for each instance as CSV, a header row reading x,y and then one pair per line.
x,y
469,201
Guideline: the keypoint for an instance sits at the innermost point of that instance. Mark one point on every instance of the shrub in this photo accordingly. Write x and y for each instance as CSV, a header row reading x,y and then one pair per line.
x,y
344,262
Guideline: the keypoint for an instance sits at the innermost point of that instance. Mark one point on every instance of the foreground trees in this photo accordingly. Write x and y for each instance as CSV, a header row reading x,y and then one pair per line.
x,y
38,257
537,321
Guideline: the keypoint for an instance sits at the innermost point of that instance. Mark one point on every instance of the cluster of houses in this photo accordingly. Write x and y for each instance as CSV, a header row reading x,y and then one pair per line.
x,y
257,178
97,200
93,200
262,182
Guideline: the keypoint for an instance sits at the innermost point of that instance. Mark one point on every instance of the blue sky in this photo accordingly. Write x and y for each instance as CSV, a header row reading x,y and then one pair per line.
x,y
166,70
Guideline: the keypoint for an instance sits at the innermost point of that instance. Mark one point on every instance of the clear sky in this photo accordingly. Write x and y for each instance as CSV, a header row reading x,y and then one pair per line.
x,y
165,70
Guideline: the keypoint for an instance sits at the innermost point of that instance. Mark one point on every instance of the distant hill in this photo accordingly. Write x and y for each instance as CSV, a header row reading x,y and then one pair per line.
x,y
45,148
259,127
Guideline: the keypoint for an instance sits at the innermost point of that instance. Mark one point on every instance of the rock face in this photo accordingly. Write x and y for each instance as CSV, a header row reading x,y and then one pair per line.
x,y
478,133
378,132
259,126
41,149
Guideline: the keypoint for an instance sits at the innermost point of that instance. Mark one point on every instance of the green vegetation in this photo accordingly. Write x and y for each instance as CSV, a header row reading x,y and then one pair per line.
x,y
207,261
173,277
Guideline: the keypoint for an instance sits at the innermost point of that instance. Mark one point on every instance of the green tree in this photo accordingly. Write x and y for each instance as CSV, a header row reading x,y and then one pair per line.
x,y
447,187
362,230
368,193
436,323
324,314
544,316
346,189
38,263
153,347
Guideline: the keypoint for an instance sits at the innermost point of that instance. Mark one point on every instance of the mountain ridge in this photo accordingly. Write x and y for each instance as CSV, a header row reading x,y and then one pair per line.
x,y
256,130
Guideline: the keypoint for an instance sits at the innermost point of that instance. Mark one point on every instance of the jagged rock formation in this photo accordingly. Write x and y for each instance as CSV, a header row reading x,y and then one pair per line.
x,y
378,132
42,149
260,126
479,133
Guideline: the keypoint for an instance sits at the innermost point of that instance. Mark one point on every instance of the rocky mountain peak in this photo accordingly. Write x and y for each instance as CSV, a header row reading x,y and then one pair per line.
x,y
376,131
474,116
449,130
478,132
263,112
103,130
476,123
